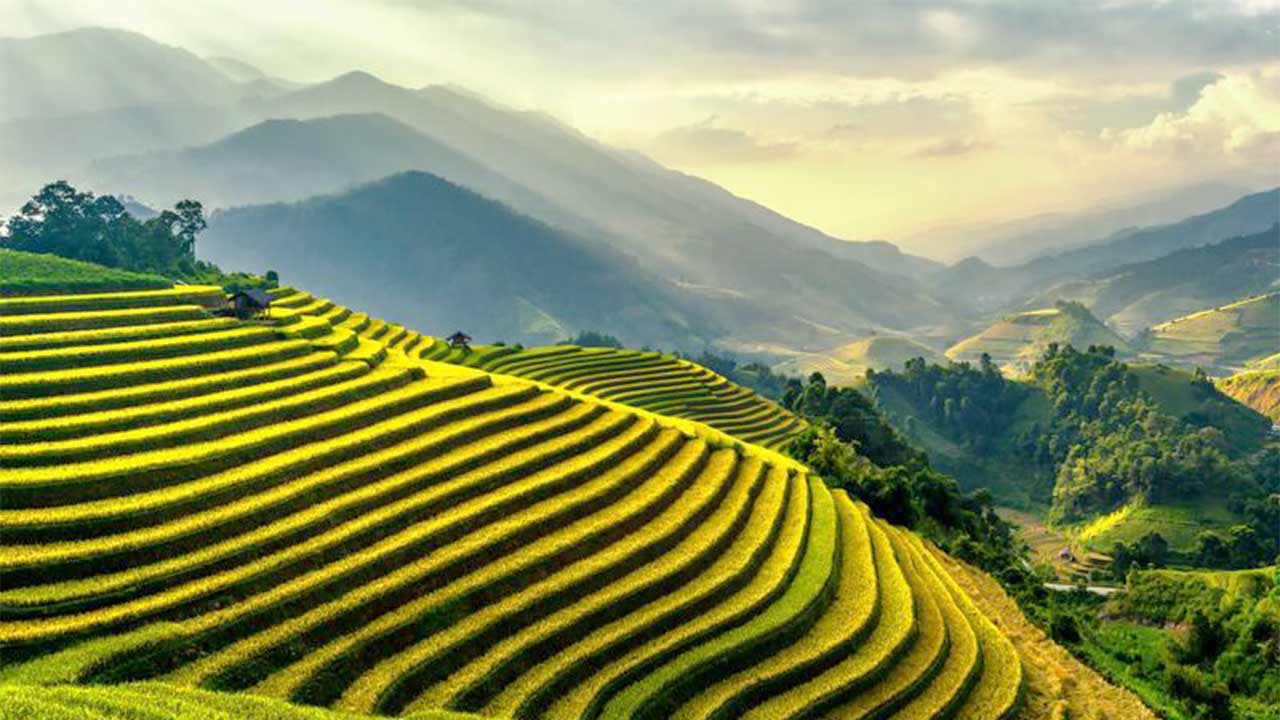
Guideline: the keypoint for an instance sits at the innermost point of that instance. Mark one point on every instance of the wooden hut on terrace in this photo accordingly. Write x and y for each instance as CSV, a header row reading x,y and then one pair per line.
x,y
459,340
249,303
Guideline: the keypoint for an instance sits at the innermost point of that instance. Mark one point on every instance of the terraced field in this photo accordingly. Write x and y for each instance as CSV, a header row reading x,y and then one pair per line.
x,y
650,380
1222,340
1017,341
304,509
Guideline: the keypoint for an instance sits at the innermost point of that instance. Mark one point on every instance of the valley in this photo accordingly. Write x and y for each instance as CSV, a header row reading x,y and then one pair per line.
x,y
696,361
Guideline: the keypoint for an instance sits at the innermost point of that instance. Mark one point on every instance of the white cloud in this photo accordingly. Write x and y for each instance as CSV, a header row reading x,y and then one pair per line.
x,y
1236,118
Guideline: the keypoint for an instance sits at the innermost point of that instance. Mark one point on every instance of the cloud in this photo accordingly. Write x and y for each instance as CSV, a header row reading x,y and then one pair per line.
x,y
949,147
1236,117
1098,38
1093,112
708,142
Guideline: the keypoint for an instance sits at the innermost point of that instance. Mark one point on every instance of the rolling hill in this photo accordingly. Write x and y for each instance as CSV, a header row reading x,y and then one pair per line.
x,y
1221,340
301,509
1016,341
1133,297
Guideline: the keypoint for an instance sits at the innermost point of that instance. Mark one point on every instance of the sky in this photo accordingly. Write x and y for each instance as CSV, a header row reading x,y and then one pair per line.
x,y
867,119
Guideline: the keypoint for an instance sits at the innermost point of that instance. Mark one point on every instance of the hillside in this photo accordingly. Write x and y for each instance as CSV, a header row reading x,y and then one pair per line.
x,y
303,511
288,160
1221,340
650,380
23,273
63,73
1138,296
1259,389
1108,483
1016,341
416,249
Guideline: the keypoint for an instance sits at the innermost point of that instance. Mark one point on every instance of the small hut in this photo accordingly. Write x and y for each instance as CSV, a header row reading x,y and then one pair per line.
x,y
249,303
459,340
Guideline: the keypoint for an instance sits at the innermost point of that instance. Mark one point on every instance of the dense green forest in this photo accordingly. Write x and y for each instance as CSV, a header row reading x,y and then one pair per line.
x,y
1097,441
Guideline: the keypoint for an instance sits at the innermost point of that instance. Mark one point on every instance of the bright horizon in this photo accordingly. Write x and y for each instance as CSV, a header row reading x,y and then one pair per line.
x,y
869,123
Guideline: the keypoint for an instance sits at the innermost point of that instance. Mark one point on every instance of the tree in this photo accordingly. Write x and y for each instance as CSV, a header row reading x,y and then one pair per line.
x,y
63,221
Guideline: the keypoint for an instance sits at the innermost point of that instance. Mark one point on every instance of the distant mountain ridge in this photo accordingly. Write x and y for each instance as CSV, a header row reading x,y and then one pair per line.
x,y
414,247
1014,242
988,288
694,233
1139,295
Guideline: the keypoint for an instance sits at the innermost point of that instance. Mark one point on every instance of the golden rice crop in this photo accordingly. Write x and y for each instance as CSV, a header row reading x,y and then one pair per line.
x,y
998,690
451,529
137,509
149,469
98,336
93,320
768,583
475,683
544,680
505,580
103,377
43,408
136,350
85,424
183,294
266,570
807,593
206,425
594,573
381,484
840,628
963,664
894,631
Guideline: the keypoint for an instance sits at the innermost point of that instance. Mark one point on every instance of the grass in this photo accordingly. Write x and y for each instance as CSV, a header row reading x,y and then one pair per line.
x,y
24,273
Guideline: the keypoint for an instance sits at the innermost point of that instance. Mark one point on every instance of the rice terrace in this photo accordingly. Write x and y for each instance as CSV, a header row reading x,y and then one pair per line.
x,y
713,360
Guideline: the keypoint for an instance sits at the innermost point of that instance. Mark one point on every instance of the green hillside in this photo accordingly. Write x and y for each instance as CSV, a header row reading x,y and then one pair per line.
x,y
1016,341
1109,451
24,273
302,508
1222,339
1134,297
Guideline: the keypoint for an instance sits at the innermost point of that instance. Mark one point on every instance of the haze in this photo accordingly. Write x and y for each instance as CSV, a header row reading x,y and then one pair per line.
x,y
866,120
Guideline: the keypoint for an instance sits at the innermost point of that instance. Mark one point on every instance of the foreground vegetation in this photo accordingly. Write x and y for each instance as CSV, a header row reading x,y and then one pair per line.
x,y
306,509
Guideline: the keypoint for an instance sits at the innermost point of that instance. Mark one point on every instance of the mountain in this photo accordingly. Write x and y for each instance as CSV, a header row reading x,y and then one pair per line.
x,y
416,249
1137,296
287,160
1222,340
993,288
1014,242
679,227
1016,341
94,69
